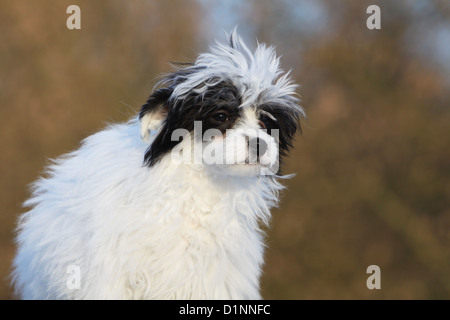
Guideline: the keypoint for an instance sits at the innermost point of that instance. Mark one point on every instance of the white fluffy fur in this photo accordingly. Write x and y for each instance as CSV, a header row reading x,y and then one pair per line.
x,y
257,75
170,231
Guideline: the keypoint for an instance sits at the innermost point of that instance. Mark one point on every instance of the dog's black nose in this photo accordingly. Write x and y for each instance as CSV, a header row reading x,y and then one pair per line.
x,y
259,146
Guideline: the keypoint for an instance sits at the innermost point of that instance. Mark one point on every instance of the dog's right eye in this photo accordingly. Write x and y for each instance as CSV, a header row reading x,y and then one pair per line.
x,y
220,117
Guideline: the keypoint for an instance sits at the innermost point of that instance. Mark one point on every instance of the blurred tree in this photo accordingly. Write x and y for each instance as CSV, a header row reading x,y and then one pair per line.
x,y
373,165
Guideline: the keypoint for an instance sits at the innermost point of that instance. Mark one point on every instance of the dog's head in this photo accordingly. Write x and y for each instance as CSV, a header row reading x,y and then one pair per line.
x,y
233,110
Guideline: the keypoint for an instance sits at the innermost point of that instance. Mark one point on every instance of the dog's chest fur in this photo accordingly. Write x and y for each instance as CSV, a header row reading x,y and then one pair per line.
x,y
201,235
206,244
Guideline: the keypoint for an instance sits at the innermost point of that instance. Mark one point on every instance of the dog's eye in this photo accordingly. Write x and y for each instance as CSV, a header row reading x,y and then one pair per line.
x,y
264,122
220,116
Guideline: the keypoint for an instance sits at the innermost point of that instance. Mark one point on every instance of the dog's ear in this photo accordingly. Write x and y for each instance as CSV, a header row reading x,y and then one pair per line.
x,y
154,112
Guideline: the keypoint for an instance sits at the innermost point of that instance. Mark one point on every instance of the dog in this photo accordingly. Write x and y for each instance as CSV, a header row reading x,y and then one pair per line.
x,y
138,212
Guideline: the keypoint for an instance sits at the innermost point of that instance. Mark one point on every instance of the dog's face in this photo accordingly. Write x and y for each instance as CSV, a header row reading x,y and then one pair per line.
x,y
231,111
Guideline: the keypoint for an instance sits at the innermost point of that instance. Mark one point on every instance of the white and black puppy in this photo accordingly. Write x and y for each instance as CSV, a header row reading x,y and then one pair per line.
x,y
170,204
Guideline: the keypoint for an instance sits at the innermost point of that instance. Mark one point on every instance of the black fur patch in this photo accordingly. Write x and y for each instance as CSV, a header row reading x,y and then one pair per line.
x,y
287,122
181,114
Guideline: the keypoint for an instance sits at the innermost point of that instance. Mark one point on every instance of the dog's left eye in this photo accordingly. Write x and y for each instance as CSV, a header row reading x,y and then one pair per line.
x,y
264,122
220,116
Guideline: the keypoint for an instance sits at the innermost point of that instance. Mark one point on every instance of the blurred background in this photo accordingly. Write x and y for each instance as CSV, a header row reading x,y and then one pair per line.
x,y
372,166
